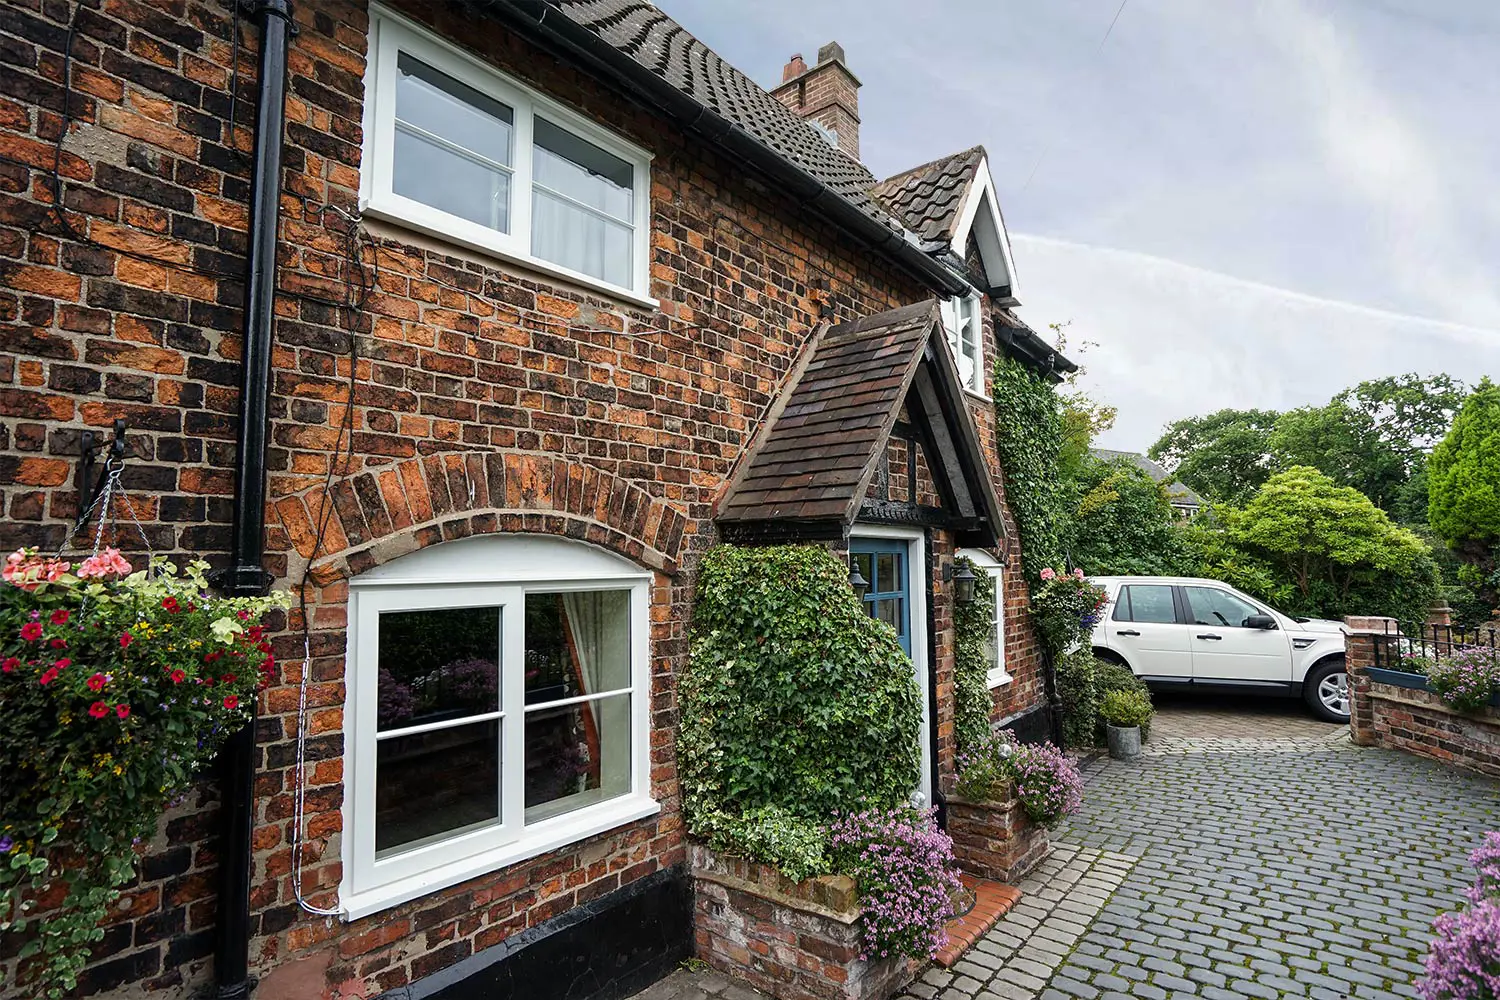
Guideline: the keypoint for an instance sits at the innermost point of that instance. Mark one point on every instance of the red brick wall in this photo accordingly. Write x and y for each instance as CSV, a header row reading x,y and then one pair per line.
x,y
484,400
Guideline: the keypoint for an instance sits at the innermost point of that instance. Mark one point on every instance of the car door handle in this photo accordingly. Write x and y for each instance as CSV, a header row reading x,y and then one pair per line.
x,y
1127,631
1209,635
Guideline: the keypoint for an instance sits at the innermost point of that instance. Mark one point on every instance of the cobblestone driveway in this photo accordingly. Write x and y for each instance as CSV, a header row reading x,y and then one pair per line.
x,y
1252,852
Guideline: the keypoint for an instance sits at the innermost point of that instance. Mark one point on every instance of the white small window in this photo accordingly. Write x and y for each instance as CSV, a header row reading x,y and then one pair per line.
x,y
994,650
965,326
498,697
457,150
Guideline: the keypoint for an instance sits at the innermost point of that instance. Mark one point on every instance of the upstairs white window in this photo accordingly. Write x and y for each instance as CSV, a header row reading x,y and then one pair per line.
x,y
994,649
965,326
498,699
457,150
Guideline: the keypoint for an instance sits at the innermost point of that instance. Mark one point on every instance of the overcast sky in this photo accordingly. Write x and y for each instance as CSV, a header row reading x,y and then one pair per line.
x,y
1242,202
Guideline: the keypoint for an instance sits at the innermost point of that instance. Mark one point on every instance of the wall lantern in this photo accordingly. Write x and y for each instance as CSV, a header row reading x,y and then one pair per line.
x,y
963,582
857,583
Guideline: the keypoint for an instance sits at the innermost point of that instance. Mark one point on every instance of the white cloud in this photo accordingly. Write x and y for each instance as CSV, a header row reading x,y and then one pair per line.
x,y
1176,340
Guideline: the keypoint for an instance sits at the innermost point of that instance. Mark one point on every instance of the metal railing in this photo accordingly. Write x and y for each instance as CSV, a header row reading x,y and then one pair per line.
x,y
1396,650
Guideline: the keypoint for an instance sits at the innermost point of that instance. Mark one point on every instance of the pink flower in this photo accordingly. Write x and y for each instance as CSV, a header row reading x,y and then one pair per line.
x,y
98,710
63,663
26,570
49,676
11,663
123,711
97,682
1078,574
125,640
60,616
1048,573
108,562
31,631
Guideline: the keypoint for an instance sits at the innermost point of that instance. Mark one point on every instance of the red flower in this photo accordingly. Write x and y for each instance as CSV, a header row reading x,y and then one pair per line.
x,y
211,657
171,605
31,631
98,710
178,677
60,616
227,679
231,703
63,663
59,644
125,639
49,676
97,682
123,711
255,632
11,663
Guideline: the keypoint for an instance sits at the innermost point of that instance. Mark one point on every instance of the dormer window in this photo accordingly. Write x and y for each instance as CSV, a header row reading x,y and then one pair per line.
x,y
962,319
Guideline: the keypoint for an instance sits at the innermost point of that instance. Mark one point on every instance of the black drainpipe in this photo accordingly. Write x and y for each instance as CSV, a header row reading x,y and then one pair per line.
x,y
245,575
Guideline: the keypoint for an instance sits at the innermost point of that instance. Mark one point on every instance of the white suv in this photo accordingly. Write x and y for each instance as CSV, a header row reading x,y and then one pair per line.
x,y
1179,633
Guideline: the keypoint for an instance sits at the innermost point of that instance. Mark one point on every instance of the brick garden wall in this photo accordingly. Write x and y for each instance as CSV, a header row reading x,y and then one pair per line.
x,y
483,400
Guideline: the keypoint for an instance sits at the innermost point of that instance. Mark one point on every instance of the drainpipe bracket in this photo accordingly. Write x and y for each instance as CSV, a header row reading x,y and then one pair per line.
x,y
242,580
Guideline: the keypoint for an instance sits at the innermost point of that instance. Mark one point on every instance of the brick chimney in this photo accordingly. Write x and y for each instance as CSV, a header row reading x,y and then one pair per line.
x,y
827,94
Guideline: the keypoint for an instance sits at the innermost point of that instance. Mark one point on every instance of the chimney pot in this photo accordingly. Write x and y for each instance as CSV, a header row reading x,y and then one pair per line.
x,y
832,52
794,68
826,94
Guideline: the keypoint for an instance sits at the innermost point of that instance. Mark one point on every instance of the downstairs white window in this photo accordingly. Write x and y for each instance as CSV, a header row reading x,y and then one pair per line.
x,y
460,151
994,649
498,691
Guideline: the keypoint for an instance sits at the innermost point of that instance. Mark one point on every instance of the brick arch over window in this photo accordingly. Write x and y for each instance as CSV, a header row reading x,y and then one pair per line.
x,y
384,513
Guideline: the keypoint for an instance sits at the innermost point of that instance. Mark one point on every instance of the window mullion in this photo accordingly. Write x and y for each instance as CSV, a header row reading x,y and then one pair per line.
x,y
513,726
521,181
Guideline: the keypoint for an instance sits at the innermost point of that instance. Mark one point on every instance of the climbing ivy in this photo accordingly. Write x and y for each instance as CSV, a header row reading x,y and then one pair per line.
x,y
973,628
1029,437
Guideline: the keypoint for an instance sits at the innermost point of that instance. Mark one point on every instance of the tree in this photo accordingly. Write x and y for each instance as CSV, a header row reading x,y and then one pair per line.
x,y
1373,437
1224,456
1463,482
1339,552
1123,523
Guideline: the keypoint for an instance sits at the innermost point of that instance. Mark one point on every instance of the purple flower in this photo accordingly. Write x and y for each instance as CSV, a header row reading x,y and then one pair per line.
x,y
6,843
906,875
1464,963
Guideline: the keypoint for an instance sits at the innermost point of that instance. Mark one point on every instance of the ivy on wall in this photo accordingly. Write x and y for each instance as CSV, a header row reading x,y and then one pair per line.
x,y
973,628
1029,437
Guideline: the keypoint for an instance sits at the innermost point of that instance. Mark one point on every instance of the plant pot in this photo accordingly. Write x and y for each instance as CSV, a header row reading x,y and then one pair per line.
x,y
1124,741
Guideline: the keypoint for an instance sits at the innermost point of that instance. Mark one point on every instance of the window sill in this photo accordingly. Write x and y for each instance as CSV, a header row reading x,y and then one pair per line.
x,y
547,269
998,678
978,396
541,838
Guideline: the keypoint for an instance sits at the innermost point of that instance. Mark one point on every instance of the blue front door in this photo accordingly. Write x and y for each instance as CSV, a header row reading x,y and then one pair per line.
x,y
883,564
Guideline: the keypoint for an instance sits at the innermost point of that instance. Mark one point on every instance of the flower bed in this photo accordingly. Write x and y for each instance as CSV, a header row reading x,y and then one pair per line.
x,y
793,940
1464,960
1005,797
1405,710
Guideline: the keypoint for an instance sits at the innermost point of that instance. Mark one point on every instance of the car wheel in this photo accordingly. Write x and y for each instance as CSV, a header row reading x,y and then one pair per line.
x,y
1326,690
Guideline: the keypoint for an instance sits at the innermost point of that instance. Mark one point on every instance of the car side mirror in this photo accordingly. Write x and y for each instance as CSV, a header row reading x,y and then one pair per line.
x,y
1260,621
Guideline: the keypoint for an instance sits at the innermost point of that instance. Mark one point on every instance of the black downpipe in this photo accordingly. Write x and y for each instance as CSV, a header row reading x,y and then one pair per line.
x,y
245,575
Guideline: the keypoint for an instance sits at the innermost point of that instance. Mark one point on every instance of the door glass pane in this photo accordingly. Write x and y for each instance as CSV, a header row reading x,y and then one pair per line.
x,y
577,643
888,610
576,755
1211,606
437,664
436,784
1151,603
887,573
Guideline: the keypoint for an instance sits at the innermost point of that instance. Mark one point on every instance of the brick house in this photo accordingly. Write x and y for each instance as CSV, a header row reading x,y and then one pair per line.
x,y
522,308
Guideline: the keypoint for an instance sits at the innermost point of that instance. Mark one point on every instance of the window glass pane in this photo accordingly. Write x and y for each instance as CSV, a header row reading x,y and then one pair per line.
x,y
888,610
436,665
886,572
582,171
450,182
437,103
863,562
1151,604
576,238
577,643
436,784
576,755
1211,606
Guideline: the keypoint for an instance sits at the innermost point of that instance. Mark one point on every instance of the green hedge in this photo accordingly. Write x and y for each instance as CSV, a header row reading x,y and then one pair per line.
x,y
973,628
795,705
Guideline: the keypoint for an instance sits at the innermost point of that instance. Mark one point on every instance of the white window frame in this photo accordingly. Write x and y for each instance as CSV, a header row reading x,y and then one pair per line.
x,y
483,571
391,35
955,310
997,676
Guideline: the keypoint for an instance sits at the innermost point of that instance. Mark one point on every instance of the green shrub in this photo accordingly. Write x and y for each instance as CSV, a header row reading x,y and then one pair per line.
x,y
1078,693
795,705
796,846
973,629
1115,677
1125,708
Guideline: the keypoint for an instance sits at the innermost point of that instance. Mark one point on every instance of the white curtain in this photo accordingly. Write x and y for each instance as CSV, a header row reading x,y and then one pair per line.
x,y
567,235
600,625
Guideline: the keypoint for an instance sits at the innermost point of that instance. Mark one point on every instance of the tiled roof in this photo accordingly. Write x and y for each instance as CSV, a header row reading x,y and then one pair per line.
x,y
1177,491
665,47
816,457
929,198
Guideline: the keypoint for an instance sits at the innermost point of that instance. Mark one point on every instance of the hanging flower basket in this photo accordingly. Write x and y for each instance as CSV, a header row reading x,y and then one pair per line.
x,y
118,687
